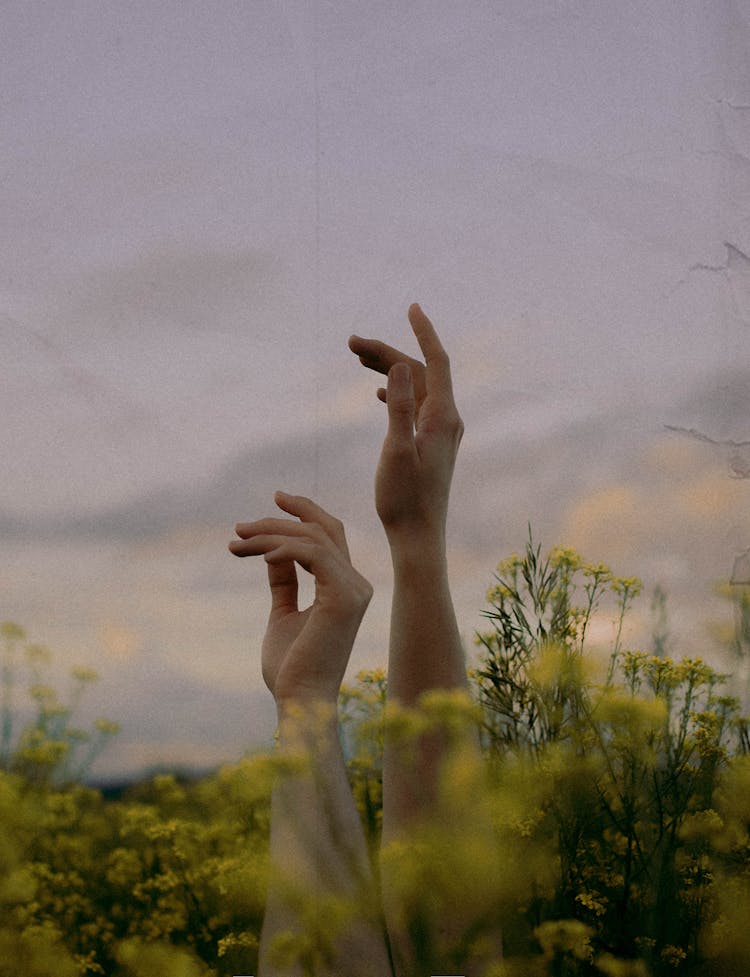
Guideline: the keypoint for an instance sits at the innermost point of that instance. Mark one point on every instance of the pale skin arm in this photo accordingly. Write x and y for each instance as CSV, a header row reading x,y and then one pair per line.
x,y
317,839
412,490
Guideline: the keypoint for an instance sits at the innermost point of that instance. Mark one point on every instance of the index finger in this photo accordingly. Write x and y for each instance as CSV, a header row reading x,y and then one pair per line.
x,y
379,356
438,367
310,512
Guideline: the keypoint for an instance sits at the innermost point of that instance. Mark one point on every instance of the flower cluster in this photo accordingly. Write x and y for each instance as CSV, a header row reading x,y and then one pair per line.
x,y
618,794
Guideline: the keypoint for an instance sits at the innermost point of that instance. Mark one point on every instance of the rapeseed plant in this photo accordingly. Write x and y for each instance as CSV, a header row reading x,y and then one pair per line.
x,y
616,784
45,747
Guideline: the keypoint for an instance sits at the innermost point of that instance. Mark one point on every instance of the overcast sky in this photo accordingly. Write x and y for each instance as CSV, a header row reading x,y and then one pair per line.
x,y
200,202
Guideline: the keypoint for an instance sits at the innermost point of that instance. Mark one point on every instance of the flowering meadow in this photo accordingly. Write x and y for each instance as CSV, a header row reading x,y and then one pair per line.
x,y
617,782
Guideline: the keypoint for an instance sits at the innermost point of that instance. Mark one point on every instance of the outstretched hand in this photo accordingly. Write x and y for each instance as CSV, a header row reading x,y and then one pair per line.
x,y
412,484
305,652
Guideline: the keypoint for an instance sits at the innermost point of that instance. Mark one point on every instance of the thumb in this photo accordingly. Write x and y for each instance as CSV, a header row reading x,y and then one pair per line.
x,y
400,401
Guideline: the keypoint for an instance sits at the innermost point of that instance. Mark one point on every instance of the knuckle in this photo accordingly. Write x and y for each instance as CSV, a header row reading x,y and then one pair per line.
x,y
401,405
315,551
360,592
454,425
315,532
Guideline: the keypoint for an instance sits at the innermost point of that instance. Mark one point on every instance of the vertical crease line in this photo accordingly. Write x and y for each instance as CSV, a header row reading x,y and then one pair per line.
x,y
317,343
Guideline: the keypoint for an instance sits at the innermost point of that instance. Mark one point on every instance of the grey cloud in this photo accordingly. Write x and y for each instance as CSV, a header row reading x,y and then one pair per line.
x,y
508,476
516,477
176,708
737,452
241,489
718,405
570,451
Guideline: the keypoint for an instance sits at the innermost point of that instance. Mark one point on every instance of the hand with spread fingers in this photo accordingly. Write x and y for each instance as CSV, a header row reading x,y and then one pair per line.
x,y
416,465
318,847
305,652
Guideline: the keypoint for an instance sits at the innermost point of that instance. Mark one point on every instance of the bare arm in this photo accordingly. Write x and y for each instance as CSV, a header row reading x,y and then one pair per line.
x,y
412,490
412,493
319,859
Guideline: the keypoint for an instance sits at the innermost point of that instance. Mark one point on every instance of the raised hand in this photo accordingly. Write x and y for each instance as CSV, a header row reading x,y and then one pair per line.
x,y
318,848
305,652
412,488
412,484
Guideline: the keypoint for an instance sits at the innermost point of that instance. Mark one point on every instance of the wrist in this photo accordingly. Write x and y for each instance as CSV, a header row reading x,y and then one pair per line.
x,y
306,720
304,707
419,551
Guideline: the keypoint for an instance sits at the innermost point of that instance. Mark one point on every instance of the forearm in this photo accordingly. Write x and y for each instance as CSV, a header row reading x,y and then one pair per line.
x,y
319,856
412,489
425,647
426,655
